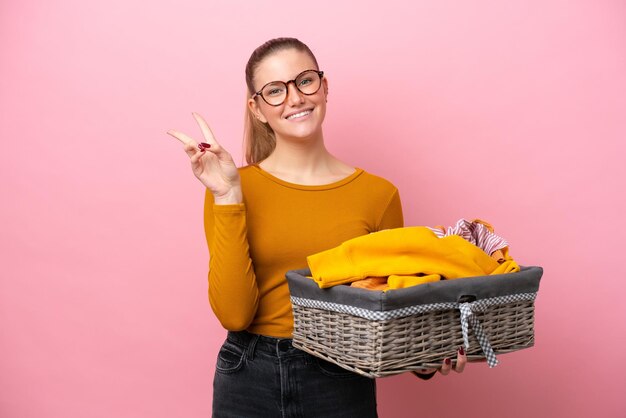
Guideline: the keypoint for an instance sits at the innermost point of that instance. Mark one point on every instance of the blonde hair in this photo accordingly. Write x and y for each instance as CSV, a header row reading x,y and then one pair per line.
x,y
258,137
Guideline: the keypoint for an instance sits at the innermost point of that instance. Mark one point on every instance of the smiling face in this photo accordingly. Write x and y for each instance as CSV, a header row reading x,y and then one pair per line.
x,y
301,115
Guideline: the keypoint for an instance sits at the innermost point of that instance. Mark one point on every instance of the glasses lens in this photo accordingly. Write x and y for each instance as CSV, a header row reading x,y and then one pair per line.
x,y
308,82
275,93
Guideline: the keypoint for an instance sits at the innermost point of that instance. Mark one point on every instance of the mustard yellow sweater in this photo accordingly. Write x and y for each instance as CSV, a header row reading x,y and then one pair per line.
x,y
404,251
277,226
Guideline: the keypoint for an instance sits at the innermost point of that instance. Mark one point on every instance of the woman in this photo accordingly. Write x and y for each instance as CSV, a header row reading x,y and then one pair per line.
x,y
294,199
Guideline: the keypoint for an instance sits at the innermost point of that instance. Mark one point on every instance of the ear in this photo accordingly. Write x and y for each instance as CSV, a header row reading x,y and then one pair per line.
x,y
325,86
256,110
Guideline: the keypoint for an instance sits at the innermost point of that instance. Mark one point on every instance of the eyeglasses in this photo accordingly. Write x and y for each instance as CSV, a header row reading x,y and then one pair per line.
x,y
307,82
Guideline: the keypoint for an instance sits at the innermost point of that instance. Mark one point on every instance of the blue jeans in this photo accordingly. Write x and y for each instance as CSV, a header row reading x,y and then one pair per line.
x,y
259,376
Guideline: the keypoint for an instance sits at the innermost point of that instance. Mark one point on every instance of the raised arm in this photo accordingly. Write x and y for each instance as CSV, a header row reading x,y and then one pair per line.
x,y
233,291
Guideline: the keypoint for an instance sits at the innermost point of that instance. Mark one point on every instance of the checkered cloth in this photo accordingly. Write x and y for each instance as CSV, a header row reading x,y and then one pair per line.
x,y
467,310
467,317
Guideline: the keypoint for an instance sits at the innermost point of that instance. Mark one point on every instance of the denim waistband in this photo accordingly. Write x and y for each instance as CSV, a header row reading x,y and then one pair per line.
x,y
278,347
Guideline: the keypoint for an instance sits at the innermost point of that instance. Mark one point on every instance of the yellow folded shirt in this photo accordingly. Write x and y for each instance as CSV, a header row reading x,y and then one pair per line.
x,y
403,251
396,281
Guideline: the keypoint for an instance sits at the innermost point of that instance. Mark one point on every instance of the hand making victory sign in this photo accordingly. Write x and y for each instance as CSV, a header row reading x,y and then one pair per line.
x,y
212,164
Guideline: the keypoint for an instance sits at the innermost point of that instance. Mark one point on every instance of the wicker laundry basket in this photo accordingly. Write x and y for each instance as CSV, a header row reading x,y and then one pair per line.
x,y
378,334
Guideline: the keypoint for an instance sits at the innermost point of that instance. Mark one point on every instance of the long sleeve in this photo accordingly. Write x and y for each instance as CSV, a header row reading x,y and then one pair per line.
x,y
233,290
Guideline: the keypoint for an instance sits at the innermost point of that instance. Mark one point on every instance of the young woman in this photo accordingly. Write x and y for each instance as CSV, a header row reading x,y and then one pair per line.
x,y
294,199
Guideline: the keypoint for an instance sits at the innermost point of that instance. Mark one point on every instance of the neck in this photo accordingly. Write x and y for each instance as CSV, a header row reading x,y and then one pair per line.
x,y
298,157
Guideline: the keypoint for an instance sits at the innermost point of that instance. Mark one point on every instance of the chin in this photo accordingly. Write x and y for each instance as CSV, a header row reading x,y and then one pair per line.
x,y
299,134
299,131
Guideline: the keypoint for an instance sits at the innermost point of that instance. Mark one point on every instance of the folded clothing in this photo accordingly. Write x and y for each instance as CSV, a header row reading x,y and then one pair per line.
x,y
394,281
408,251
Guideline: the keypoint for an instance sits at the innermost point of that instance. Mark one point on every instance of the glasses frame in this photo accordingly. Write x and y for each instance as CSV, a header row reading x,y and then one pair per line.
x,y
286,83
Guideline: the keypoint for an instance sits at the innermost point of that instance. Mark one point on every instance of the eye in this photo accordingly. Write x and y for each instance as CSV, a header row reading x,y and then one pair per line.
x,y
306,81
273,90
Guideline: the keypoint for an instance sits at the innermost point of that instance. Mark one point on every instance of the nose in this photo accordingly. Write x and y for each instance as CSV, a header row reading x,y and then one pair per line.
x,y
294,96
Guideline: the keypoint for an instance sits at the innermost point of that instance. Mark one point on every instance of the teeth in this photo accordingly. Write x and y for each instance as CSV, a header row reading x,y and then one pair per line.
x,y
298,115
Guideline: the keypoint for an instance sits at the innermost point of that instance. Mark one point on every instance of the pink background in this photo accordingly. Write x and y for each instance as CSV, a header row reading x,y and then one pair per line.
x,y
512,111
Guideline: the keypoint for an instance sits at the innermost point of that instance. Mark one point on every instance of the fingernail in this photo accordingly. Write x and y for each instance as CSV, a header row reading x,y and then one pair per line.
x,y
205,144
461,351
447,361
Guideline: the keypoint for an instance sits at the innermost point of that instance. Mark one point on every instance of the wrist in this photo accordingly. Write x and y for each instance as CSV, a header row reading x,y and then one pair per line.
x,y
232,197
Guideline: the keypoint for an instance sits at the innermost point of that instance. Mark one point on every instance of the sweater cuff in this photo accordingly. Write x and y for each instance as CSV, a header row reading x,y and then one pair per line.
x,y
236,207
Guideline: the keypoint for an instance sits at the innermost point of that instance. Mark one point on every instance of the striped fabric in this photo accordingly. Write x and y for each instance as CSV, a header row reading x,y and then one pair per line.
x,y
477,232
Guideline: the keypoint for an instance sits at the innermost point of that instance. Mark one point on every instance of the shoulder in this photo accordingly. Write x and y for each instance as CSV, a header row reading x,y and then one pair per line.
x,y
375,189
377,182
248,173
246,170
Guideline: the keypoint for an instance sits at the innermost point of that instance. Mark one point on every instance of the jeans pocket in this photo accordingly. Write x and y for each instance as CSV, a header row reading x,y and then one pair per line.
x,y
230,358
332,370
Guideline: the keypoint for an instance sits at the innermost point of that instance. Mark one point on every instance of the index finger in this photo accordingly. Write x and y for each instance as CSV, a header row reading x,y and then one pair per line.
x,y
461,360
182,137
204,127
446,366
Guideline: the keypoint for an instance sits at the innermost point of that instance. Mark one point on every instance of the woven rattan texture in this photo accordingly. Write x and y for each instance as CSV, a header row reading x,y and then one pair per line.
x,y
384,348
